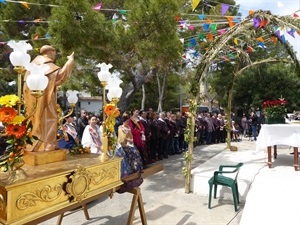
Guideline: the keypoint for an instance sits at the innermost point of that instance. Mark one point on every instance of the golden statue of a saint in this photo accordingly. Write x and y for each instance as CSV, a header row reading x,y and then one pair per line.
x,y
44,120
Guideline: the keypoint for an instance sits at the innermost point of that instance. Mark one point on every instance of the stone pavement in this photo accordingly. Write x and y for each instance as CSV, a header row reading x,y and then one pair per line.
x,y
166,203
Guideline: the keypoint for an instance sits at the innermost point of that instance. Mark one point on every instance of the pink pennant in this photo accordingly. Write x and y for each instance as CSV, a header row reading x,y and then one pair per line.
x,y
98,6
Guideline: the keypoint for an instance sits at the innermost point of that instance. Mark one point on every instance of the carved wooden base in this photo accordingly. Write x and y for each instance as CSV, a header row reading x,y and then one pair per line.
x,y
41,158
52,189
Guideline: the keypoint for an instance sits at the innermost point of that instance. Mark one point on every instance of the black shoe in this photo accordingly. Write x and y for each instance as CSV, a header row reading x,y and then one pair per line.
x,y
178,152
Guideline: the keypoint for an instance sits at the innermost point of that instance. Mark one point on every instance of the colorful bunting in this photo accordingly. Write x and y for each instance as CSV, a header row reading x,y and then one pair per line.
x,y
201,37
98,6
260,44
225,8
193,42
260,39
291,32
263,23
206,27
213,27
235,41
251,12
191,27
210,37
202,17
177,18
25,4
295,15
282,37
195,3
36,36
256,22
274,39
222,31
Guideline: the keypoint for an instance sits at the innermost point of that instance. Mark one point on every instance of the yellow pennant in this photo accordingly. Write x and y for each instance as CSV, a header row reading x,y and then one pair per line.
x,y
260,39
195,3
235,41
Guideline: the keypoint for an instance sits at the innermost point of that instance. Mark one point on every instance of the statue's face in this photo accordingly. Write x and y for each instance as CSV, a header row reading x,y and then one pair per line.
x,y
51,54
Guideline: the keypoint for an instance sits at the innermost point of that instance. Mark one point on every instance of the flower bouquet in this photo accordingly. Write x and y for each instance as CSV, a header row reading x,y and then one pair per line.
x,y
17,133
275,110
109,139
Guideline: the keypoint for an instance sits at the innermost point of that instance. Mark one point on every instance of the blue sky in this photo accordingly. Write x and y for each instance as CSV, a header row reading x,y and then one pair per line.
x,y
282,8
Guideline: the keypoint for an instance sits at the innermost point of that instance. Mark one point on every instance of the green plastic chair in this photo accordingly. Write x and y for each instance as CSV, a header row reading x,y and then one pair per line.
x,y
220,179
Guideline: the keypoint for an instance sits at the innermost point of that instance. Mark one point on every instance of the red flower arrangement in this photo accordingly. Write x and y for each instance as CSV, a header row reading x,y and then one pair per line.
x,y
275,108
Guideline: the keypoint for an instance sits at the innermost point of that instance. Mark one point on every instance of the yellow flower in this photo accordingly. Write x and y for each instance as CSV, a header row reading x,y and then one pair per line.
x,y
9,100
18,120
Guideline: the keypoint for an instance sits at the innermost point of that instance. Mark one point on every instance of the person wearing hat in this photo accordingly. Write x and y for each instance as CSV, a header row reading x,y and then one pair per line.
x,y
44,119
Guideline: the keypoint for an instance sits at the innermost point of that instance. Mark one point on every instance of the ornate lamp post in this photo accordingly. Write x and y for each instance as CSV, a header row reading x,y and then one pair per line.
x,y
112,83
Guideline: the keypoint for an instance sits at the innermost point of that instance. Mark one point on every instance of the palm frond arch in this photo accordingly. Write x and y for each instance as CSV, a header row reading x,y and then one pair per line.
x,y
210,55
246,24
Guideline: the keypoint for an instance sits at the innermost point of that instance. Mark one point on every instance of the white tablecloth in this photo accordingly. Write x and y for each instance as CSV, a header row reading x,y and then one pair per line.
x,y
278,134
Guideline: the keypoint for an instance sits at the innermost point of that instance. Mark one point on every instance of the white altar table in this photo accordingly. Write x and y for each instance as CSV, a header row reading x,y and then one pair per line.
x,y
279,134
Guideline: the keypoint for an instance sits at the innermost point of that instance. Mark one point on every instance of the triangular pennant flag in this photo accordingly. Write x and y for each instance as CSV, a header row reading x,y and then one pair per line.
x,y
181,40
260,39
225,7
263,23
231,24
193,41
277,33
47,36
206,27
251,12
195,3
291,32
249,49
25,4
274,39
295,15
98,6
210,37
282,37
231,55
235,41
177,18
222,31
230,18
123,12
202,17
213,27
279,4
260,44
298,32
36,36
201,37
208,21
256,22
191,27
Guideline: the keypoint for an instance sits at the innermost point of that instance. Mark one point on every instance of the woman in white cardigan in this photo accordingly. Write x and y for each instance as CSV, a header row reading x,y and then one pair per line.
x,y
92,136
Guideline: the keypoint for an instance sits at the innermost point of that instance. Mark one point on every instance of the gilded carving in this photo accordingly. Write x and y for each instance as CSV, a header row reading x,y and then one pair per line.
x,y
78,184
2,203
47,194
103,174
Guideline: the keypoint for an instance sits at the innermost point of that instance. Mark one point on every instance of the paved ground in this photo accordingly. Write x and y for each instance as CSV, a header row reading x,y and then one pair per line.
x,y
164,199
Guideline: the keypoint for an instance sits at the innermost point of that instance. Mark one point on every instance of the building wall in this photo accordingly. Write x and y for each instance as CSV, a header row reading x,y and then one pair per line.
x,y
94,106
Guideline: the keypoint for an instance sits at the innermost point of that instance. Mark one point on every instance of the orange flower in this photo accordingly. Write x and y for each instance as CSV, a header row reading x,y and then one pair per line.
x,y
16,130
109,108
116,113
7,114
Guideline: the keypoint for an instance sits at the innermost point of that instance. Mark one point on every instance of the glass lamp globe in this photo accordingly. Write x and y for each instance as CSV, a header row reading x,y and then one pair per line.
x,y
36,80
114,92
19,56
72,96
104,73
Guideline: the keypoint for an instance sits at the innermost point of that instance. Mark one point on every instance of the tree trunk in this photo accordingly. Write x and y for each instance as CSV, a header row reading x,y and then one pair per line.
x,y
143,98
190,135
